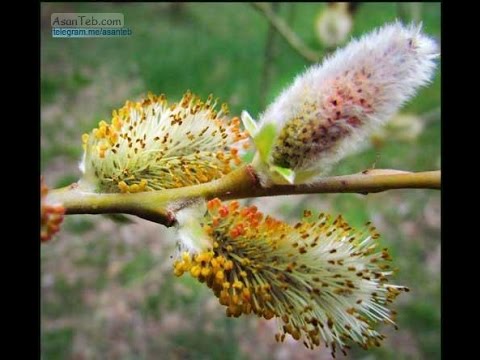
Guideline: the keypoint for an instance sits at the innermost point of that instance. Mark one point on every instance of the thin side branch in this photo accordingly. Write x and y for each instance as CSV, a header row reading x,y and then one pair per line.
x,y
160,206
283,29
270,54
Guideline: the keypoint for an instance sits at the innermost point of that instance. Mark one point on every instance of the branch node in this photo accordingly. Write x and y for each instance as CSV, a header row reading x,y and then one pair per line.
x,y
170,219
253,176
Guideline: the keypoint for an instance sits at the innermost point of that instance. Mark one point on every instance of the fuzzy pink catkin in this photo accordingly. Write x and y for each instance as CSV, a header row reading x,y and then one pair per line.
x,y
332,107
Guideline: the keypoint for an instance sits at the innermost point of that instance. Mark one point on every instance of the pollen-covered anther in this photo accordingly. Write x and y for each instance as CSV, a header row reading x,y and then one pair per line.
x,y
153,145
304,275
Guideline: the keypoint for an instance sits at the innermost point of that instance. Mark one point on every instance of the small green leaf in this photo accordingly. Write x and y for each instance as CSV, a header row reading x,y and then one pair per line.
x,y
264,140
249,124
287,174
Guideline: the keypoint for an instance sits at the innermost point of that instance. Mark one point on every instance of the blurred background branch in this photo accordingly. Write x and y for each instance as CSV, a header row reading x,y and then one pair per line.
x,y
409,12
284,30
270,54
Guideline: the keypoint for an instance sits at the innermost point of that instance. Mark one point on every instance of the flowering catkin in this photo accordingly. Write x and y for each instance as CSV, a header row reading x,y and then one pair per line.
x,y
324,281
154,145
333,24
51,215
333,106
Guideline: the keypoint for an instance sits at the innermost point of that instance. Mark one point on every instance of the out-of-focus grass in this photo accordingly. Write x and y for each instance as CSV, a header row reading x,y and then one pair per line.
x,y
107,288
56,343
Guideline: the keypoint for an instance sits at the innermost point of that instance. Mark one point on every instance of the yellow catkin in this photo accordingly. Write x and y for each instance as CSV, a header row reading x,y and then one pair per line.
x,y
153,145
296,274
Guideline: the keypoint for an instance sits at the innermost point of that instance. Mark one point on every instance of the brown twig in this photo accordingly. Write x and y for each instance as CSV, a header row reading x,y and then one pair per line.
x,y
160,206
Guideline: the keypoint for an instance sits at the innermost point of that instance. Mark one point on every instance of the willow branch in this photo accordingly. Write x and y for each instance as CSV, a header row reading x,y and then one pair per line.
x,y
284,30
160,206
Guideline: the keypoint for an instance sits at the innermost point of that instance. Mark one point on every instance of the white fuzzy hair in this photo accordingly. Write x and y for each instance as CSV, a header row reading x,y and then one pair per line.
x,y
399,58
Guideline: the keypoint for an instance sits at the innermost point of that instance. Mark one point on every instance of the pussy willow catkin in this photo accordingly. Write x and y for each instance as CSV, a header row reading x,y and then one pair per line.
x,y
324,281
51,215
334,106
154,145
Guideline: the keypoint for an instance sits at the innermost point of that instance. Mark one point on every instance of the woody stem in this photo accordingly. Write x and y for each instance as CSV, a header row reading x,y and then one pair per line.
x,y
160,206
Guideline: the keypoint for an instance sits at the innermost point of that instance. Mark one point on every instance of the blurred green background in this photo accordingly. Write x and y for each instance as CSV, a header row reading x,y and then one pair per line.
x,y
108,291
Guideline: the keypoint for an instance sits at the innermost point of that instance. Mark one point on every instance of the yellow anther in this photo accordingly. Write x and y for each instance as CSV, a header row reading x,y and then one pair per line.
x,y
220,260
143,184
113,137
195,271
102,148
122,185
178,271
228,265
102,131
235,299
214,263
117,123
219,276
206,271
134,188
205,256
246,294
237,285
